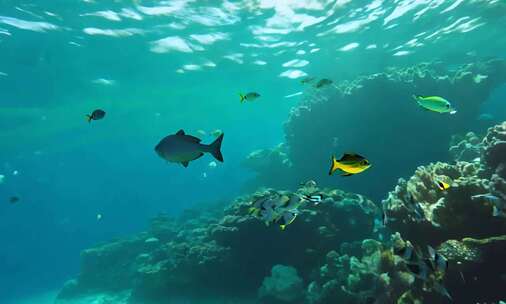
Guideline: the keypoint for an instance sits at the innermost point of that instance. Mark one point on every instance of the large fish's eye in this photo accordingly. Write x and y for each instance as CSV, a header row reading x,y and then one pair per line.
x,y
447,106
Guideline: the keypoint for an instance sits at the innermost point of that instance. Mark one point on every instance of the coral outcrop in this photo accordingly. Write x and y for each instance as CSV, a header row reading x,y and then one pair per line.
x,y
284,284
454,213
176,257
376,116
466,148
376,275
466,222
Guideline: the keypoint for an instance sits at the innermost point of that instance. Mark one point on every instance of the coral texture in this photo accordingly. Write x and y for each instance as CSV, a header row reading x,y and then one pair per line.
x,y
362,116
453,213
284,284
177,257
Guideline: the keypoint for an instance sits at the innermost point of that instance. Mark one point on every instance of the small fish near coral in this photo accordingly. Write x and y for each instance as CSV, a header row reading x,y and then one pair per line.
x,y
435,104
414,208
307,80
323,83
430,270
275,208
498,205
182,148
286,218
443,186
350,164
14,199
249,96
95,115
315,198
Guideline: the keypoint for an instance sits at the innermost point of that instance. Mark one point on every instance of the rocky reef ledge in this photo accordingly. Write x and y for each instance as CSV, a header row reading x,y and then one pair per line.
x,y
224,255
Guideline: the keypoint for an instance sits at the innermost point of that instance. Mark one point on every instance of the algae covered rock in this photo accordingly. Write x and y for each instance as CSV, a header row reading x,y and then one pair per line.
x,y
477,269
284,284
375,276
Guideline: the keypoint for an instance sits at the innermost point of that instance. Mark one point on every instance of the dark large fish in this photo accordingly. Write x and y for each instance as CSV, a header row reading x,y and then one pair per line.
x,y
182,148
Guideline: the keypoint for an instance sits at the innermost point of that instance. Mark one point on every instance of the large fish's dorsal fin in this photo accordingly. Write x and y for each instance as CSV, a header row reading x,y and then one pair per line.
x,y
193,138
180,132
348,156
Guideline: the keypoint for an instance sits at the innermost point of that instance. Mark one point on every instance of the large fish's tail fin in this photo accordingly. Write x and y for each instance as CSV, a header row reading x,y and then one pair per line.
x,y
243,98
333,165
89,118
215,148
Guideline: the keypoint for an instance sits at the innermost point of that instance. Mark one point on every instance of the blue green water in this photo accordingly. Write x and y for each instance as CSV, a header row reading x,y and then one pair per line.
x,y
159,66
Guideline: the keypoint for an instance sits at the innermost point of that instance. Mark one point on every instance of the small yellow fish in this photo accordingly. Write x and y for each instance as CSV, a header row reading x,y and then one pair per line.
x,y
442,185
249,97
350,163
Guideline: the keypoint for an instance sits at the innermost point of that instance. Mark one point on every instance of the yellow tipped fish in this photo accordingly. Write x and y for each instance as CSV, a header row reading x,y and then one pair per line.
x,y
442,185
350,164
435,104
249,97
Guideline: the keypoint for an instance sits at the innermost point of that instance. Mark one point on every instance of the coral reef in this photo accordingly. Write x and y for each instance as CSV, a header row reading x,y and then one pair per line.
x,y
175,257
376,275
461,221
363,116
284,284
466,148
454,213
329,246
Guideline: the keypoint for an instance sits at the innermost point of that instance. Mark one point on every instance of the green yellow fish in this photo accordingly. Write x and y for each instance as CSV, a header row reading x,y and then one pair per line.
x,y
435,104
350,164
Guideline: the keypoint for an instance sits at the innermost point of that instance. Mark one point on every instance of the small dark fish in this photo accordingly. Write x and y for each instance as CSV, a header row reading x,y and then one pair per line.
x,y
13,199
286,219
437,261
182,148
322,83
307,80
414,208
408,253
95,115
419,270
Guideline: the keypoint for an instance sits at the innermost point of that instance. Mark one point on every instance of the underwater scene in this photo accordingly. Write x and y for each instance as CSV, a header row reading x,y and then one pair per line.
x,y
252,151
